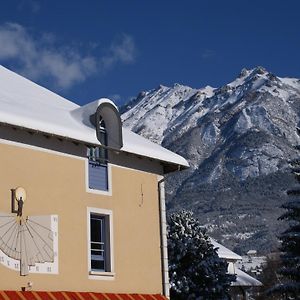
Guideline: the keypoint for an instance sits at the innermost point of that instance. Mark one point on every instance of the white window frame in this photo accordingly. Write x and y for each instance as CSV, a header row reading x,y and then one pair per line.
x,y
100,275
109,180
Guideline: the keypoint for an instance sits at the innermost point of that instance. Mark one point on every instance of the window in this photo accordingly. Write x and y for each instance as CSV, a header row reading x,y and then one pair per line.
x,y
98,243
98,159
102,132
100,246
97,168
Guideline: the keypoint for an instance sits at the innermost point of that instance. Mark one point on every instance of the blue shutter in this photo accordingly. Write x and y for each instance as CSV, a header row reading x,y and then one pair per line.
x,y
98,178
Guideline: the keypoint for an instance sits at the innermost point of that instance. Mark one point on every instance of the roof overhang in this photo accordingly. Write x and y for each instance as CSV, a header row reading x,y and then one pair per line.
x,y
168,166
27,105
38,295
245,280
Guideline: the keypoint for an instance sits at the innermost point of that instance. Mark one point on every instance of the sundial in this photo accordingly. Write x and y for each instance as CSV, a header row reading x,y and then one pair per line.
x,y
28,243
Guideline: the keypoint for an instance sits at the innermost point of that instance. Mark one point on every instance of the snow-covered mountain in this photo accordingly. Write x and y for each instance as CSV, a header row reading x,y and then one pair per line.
x,y
238,139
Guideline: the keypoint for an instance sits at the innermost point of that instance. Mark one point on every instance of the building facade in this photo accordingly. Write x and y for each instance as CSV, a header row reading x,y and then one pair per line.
x,y
81,198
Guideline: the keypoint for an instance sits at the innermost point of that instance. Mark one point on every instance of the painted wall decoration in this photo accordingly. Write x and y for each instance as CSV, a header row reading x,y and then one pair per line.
x,y
28,244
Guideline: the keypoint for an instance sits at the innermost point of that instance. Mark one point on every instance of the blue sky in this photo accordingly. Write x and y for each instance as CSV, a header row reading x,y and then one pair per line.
x,y
88,49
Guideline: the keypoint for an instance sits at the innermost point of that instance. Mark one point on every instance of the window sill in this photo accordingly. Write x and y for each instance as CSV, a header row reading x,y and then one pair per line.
x,y
99,192
99,273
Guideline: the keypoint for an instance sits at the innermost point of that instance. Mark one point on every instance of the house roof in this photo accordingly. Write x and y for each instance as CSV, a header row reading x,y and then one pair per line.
x,y
26,104
37,295
244,279
224,252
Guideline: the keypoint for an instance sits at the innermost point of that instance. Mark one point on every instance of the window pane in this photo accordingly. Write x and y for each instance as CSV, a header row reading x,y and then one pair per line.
x,y
98,242
102,155
97,246
97,265
102,132
96,230
98,176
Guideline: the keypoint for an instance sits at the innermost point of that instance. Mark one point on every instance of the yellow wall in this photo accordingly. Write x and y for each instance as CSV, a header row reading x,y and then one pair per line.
x,y
55,184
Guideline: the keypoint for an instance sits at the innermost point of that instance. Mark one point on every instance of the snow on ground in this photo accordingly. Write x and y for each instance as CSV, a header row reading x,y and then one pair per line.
x,y
252,264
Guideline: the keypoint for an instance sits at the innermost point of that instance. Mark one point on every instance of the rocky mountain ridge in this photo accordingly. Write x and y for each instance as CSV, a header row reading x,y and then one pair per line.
x,y
238,139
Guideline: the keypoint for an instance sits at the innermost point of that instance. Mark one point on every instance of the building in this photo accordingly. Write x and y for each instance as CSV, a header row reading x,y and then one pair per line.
x,y
244,282
81,199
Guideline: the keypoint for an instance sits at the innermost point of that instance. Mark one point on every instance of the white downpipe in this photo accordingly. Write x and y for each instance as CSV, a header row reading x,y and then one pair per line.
x,y
163,238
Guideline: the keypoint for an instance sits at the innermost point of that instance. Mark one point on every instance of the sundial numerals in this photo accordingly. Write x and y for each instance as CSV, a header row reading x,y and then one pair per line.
x,y
35,237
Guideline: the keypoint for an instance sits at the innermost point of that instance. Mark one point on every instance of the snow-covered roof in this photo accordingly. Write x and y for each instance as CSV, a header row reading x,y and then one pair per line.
x,y
224,252
252,252
26,104
244,279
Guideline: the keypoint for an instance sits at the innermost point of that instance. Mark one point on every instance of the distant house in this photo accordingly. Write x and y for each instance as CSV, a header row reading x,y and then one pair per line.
x,y
251,253
82,209
239,288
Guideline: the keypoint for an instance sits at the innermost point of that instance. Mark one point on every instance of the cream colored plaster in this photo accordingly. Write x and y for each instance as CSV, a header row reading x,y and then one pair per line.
x,y
55,184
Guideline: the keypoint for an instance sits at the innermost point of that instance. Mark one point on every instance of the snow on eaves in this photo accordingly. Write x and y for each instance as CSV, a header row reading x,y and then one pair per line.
x,y
224,252
26,104
244,279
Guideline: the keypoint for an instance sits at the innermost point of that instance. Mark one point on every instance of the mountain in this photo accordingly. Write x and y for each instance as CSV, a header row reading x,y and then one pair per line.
x,y
238,139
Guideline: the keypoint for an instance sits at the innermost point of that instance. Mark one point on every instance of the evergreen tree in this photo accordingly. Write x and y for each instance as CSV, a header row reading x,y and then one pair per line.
x,y
290,243
269,278
196,271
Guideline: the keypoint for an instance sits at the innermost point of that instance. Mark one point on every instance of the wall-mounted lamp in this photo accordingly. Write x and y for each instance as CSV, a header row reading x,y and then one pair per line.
x,y
18,197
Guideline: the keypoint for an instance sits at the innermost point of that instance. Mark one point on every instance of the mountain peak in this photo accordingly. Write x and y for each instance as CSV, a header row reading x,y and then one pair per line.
x,y
244,72
161,86
257,70
238,140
